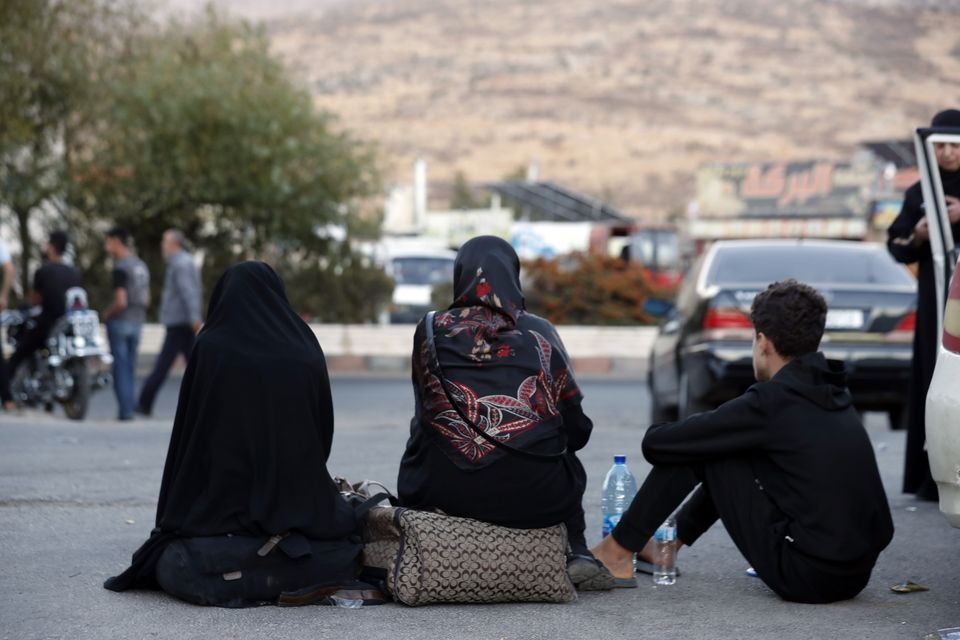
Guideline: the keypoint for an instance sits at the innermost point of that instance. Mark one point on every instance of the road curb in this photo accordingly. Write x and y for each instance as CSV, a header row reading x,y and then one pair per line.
x,y
399,366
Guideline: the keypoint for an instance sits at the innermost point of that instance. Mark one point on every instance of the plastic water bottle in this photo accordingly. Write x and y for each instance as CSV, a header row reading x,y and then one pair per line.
x,y
665,562
619,487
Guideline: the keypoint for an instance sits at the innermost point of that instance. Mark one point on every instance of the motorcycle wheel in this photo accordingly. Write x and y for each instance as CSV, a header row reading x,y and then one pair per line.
x,y
18,388
76,405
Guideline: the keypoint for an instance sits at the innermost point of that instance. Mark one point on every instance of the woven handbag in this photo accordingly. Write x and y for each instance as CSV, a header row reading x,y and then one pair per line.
x,y
432,558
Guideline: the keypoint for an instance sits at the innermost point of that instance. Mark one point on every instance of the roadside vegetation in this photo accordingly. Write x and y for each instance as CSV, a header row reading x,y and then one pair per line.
x,y
108,117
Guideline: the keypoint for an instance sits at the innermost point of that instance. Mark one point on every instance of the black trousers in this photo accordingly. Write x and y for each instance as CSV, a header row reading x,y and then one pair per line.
x,y
178,340
577,524
728,491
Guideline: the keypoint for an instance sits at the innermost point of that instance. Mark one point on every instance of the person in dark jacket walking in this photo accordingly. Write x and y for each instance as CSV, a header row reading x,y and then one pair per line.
x,y
787,467
179,313
909,241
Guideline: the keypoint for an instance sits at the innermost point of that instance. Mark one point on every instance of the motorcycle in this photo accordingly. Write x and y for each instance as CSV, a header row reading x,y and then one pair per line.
x,y
72,364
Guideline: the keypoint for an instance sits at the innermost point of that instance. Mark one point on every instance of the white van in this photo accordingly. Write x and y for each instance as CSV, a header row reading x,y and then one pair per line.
x,y
416,271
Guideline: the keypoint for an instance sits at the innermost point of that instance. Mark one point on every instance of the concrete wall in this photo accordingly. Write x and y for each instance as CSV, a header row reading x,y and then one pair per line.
x,y
375,348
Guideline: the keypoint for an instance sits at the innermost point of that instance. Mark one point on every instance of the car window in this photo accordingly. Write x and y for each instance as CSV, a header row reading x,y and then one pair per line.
x,y
656,247
806,263
422,271
687,295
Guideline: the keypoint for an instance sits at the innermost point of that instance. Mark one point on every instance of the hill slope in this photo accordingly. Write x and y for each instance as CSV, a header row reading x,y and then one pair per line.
x,y
621,98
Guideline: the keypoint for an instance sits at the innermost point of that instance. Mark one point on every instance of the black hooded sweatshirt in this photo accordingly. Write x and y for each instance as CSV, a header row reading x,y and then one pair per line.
x,y
809,451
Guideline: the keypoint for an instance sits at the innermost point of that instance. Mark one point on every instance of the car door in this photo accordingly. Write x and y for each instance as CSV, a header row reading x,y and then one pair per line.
x,y
942,426
665,375
941,238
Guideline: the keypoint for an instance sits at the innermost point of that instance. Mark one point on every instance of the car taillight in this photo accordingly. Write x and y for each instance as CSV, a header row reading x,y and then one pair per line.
x,y
903,332
726,318
908,324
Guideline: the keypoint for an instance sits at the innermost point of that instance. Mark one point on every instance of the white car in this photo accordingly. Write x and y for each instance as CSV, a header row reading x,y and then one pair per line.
x,y
943,410
943,398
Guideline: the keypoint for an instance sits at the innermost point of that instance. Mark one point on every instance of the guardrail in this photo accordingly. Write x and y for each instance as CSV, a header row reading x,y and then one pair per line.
x,y
594,350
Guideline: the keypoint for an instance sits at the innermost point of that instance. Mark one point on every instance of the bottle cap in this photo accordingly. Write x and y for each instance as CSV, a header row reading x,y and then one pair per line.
x,y
620,459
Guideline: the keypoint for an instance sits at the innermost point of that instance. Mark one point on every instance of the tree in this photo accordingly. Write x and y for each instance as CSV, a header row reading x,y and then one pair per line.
x,y
51,54
463,195
208,133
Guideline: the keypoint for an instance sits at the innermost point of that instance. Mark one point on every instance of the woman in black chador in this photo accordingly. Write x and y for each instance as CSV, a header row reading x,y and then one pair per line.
x,y
503,371
247,509
909,242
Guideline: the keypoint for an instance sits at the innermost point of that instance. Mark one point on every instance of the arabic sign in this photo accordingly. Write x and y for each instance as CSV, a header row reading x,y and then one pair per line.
x,y
780,227
814,189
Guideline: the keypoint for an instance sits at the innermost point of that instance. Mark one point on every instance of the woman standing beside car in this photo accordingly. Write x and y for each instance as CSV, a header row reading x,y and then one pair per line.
x,y
908,239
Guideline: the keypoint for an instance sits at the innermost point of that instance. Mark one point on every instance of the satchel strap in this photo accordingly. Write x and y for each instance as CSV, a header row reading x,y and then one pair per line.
x,y
433,363
362,509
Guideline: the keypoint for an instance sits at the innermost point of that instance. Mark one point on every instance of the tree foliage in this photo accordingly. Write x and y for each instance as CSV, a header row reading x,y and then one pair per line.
x,y
195,126
463,196
51,64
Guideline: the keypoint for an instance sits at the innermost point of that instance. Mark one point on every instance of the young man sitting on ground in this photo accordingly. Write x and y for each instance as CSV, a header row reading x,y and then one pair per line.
x,y
787,467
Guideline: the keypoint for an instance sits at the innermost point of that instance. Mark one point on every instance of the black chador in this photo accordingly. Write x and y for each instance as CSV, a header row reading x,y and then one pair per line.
x,y
251,437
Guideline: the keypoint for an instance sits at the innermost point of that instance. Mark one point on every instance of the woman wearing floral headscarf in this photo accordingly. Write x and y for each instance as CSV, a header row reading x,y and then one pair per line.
x,y
498,416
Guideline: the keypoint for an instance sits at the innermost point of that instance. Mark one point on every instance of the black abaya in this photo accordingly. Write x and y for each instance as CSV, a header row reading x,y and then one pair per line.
x,y
916,473
252,432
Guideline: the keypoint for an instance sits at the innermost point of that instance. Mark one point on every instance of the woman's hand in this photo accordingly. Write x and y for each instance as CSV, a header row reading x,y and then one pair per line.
x,y
953,209
921,232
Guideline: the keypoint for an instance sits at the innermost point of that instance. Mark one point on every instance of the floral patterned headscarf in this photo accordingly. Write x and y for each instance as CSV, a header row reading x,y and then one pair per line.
x,y
486,273
506,368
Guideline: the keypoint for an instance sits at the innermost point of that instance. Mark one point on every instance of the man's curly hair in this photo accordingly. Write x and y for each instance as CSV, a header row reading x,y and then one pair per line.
x,y
792,315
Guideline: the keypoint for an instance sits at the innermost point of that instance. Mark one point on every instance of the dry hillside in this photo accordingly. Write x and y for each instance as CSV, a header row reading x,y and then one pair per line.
x,y
620,98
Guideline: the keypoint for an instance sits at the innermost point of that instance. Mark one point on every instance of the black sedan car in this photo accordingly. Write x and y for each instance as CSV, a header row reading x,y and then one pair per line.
x,y
702,355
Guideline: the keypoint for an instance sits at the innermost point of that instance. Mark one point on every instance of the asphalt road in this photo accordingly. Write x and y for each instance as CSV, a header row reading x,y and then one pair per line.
x,y
76,499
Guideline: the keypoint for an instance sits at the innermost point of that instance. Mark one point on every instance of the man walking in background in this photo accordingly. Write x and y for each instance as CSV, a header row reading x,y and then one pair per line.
x,y
125,317
179,313
9,273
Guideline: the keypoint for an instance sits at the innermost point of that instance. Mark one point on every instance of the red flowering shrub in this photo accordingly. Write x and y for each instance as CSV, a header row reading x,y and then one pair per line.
x,y
589,289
